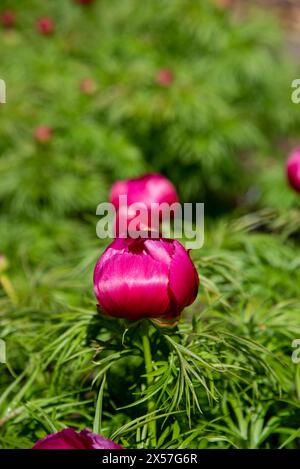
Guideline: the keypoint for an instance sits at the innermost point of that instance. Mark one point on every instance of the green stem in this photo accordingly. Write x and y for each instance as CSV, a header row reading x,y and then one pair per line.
x,y
149,369
8,288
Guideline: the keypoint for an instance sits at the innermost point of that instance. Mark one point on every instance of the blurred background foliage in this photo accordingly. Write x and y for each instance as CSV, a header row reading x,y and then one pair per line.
x,y
210,130
200,92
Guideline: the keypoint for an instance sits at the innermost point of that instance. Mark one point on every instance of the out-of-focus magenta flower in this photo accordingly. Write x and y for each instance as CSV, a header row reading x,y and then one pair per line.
x,y
8,18
126,217
45,26
69,439
145,278
43,134
146,189
164,77
88,86
293,169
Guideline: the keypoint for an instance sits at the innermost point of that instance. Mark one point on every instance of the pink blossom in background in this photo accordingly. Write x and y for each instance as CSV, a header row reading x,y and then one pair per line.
x,y
45,26
88,86
8,18
43,134
146,190
164,77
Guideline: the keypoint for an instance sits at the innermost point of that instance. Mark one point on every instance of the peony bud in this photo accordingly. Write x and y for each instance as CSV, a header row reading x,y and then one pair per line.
x,y
164,77
88,86
45,26
43,134
293,169
145,278
145,191
69,439
8,18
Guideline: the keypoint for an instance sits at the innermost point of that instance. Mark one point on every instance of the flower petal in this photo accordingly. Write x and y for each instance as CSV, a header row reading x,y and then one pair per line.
x,y
66,439
70,439
160,249
133,286
184,280
146,189
95,441
118,188
116,247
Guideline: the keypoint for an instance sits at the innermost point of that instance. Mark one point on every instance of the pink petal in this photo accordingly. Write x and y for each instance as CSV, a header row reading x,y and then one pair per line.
x,y
293,169
160,189
66,439
133,286
147,189
97,441
118,188
116,247
70,439
160,249
184,280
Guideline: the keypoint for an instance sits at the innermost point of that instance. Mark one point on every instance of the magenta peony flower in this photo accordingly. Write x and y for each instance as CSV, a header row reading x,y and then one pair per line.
x,y
88,86
293,169
147,189
69,439
145,278
43,134
45,26
164,77
8,18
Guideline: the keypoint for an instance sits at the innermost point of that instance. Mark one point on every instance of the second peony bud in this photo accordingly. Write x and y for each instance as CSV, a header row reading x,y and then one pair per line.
x,y
149,194
146,189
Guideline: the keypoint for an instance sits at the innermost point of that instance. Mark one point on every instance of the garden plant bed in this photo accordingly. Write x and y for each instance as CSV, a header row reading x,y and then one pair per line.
x,y
104,91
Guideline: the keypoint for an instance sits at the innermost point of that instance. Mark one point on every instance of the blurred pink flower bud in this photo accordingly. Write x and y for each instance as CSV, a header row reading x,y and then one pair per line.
x,y
69,439
145,278
45,26
8,18
293,169
144,191
164,77
43,134
88,86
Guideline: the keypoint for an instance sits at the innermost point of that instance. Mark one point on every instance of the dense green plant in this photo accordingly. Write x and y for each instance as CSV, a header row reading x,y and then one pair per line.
x,y
228,101
223,377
